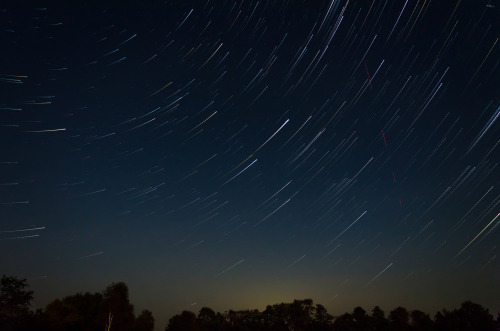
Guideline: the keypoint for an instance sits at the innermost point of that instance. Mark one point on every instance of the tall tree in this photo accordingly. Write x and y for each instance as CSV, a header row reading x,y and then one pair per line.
x,y
275,318
378,320
301,313
321,319
116,302
15,303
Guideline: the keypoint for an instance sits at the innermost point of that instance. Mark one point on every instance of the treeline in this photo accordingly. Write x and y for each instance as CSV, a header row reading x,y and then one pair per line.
x,y
303,315
111,310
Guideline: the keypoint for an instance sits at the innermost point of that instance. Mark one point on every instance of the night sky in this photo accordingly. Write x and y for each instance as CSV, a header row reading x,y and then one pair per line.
x,y
234,154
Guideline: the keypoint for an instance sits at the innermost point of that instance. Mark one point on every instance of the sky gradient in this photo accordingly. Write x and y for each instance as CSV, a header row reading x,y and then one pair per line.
x,y
234,154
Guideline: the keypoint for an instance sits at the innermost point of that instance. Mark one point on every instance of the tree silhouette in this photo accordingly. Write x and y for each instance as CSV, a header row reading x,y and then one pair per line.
x,y
211,320
471,316
274,317
378,320
358,320
399,319
300,314
185,321
75,312
446,320
344,322
207,317
90,312
361,319
321,319
15,303
116,301
420,321
145,321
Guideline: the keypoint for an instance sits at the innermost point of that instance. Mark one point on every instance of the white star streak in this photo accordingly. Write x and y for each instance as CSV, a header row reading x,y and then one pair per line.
x,y
463,249
265,218
282,125
49,130
378,275
346,228
22,230
248,166
23,237
231,267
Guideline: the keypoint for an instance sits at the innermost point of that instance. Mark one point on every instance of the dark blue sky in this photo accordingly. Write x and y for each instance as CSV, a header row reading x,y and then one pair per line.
x,y
234,154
